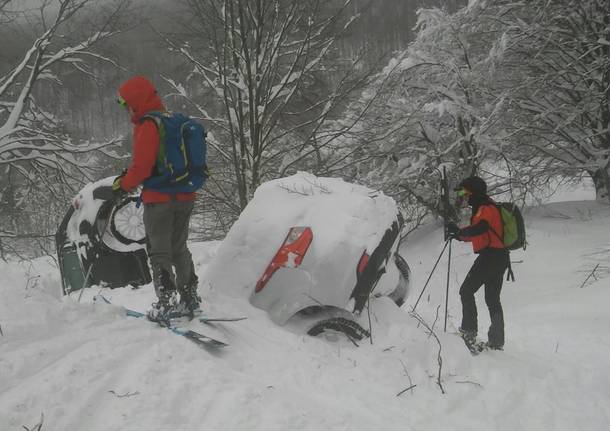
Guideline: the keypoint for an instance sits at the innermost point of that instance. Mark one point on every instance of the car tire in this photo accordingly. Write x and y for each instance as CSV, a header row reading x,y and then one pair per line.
x,y
400,293
351,329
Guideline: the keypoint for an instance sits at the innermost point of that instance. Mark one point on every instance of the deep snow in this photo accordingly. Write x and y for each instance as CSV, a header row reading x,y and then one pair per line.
x,y
88,367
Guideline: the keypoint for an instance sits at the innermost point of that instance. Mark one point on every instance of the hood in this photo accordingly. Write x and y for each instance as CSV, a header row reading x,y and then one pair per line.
x,y
475,201
475,185
141,96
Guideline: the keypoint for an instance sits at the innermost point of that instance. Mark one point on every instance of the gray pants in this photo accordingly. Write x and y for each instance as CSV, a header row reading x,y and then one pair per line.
x,y
167,227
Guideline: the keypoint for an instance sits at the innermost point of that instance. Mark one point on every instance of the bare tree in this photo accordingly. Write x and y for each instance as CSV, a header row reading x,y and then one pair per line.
x,y
260,77
32,139
38,157
4,14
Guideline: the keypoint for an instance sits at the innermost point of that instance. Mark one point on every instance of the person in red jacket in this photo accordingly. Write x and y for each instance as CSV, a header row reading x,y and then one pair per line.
x,y
485,233
166,216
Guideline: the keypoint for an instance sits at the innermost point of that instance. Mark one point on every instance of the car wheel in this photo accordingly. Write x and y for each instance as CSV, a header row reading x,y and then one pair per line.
x,y
351,329
400,293
127,224
403,267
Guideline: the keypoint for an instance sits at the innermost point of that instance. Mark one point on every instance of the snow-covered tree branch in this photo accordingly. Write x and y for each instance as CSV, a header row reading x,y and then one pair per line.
x,y
561,95
260,77
28,133
514,91
38,156
432,110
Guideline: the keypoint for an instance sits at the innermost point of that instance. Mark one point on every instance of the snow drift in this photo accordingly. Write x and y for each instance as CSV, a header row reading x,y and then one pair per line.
x,y
87,366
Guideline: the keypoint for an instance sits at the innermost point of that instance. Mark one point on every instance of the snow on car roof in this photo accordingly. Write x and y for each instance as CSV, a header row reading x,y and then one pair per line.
x,y
340,214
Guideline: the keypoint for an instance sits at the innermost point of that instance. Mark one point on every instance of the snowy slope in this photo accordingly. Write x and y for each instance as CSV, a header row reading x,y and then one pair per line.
x,y
87,367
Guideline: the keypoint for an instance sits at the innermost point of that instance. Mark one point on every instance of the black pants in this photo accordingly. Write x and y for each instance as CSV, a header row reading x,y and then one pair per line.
x,y
167,230
487,269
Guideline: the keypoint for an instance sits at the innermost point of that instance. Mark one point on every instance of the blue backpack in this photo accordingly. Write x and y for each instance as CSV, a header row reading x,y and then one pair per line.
x,y
182,159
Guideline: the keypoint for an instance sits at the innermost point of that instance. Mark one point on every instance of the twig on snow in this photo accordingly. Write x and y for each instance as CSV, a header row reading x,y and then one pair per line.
x,y
351,339
30,278
404,367
433,323
125,395
439,357
324,190
293,189
589,276
36,427
472,383
405,390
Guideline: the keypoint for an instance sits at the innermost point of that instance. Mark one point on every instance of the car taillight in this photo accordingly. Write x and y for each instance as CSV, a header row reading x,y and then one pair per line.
x,y
289,255
364,261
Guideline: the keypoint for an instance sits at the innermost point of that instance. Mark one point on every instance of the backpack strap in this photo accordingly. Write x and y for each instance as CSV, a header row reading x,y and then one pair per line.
x,y
496,234
493,204
153,115
510,275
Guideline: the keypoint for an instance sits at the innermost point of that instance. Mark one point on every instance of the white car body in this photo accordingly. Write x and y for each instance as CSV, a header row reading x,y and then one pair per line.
x,y
345,220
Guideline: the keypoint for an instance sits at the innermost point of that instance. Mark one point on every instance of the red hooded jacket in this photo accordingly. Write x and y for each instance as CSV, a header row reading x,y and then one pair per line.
x,y
141,96
492,237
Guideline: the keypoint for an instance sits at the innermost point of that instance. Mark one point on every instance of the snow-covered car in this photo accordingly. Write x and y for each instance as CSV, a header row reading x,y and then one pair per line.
x,y
306,244
102,242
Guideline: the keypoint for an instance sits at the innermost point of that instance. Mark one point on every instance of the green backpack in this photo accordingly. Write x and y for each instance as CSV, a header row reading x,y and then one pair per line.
x,y
513,226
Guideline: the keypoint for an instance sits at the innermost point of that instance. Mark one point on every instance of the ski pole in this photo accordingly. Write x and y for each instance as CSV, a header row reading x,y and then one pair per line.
x,y
431,272
447,291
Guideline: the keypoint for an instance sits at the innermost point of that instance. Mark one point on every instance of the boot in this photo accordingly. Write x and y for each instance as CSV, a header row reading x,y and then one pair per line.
x,y
492,346
190,300
165,307
470,339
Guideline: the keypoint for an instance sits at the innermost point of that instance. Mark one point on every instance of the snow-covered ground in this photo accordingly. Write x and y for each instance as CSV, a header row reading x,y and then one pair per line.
x,y
86,366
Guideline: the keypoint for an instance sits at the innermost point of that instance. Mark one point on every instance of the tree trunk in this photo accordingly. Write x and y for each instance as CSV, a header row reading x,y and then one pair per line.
x,y
601,179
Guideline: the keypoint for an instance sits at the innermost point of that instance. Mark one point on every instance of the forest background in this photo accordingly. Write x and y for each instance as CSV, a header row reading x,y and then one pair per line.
x,y
387,93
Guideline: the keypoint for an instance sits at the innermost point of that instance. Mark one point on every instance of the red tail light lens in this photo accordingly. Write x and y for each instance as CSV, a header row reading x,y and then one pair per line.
x,y
289,255
364,261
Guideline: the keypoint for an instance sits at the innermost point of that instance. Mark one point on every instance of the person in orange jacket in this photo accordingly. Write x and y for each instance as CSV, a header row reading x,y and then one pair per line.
x,y
485,233
166,215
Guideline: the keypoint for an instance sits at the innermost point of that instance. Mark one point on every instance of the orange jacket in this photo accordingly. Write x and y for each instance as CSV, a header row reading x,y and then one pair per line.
x,y
141,96
490,238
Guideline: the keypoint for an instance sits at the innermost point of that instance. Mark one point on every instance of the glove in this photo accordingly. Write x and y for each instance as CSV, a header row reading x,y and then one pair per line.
x,y
116,184
453,231
117,191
